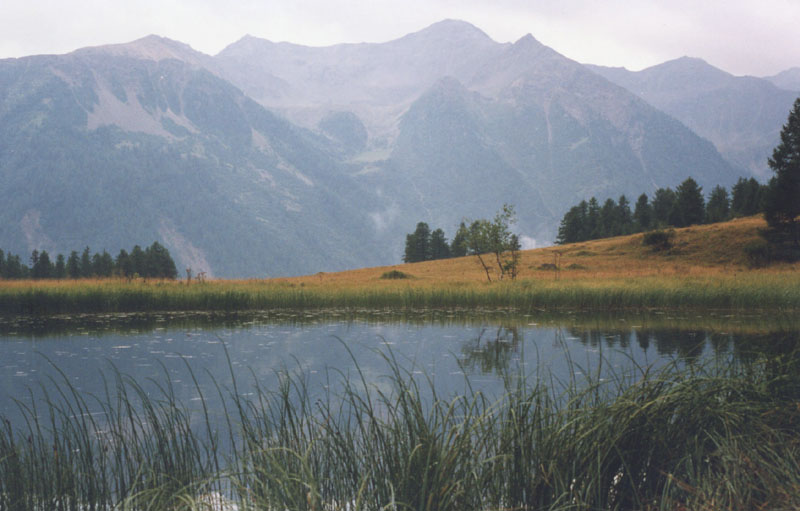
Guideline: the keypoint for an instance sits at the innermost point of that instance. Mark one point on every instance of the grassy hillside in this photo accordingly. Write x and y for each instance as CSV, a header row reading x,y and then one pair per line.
x,y
706,250
706,267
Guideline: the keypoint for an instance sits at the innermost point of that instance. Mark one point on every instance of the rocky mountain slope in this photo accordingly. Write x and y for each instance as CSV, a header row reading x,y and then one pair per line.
x,y
741,115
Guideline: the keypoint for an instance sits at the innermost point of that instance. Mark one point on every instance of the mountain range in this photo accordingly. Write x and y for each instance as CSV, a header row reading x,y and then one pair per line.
x,y
274,159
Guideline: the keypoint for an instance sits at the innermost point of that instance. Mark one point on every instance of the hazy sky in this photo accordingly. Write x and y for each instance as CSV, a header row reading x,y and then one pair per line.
x,y
757,37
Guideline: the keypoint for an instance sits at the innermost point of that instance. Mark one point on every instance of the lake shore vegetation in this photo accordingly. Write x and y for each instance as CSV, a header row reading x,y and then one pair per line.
x,y
717,436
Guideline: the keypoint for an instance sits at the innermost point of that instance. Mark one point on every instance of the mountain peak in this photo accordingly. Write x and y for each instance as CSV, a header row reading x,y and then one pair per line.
x,y
691,65
527,40
151,47
451,29
788,79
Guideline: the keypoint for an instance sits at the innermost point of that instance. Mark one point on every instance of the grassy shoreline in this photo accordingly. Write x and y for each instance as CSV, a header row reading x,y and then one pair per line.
x,y
753,291
718,437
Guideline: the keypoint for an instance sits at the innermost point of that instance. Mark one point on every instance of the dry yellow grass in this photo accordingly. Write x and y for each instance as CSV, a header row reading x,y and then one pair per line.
x,y
698,251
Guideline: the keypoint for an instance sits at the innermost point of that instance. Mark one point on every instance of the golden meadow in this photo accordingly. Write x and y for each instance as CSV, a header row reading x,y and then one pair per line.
x,y
705,268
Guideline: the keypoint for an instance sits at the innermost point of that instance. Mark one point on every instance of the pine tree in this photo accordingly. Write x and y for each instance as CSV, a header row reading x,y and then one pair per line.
x,y
663,204
418,244
782,206
718,206
624,218
439,249
74,266
608,219
689,204
42,267
60,269
458,247
642,213
86,263
747,197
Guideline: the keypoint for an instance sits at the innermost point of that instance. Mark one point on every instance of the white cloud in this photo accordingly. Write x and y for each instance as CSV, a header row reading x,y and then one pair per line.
x,y
528,243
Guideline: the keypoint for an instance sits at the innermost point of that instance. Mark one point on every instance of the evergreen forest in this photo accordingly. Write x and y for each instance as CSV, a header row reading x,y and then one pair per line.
x,y
681,207
151,262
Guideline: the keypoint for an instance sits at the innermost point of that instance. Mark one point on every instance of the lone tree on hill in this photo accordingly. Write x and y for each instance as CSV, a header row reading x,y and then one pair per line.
x,y
489,238
783,197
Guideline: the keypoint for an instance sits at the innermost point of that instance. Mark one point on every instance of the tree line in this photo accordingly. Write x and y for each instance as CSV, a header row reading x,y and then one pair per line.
x,y
681,207
491,241
151,262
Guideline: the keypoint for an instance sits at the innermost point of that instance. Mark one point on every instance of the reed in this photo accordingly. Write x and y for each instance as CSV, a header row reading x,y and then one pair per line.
x,y
760,291
697,437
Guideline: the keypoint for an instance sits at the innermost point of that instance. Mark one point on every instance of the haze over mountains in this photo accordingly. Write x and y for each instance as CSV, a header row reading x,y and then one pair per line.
x,y
741,115
279,159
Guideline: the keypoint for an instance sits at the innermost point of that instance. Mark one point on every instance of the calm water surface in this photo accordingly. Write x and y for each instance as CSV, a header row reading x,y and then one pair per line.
x,y
39,356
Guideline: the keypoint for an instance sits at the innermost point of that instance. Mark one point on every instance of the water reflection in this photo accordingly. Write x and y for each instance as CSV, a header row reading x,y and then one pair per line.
x,y
450,348
491,351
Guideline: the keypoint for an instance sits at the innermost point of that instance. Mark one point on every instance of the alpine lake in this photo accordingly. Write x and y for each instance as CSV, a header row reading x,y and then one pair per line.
x,y
204,356
424,409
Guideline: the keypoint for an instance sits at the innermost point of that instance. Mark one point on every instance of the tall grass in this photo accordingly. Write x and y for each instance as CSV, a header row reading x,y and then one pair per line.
x,y
747,291
716,437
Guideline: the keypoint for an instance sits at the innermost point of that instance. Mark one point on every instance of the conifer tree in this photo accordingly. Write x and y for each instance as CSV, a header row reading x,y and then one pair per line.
x,y
439,249
718,206
783,199
642,213
458,247
689,206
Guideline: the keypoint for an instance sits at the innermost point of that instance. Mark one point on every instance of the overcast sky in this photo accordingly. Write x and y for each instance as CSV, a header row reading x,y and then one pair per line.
x,y
756,37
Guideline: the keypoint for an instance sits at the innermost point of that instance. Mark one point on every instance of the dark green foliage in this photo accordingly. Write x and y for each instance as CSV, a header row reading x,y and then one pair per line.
x,y
86,263
153,262
592,219
748,197
642,214
137,261
458,247
60,269
41,267
663,204
395,275
158,262
587,221
574,226
439,249
494,240
124,267
486,239
102,264
718,205
74,266
776,245
424,245
689,207
782,205
418,244
759,253
659,240
608,218
623,222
